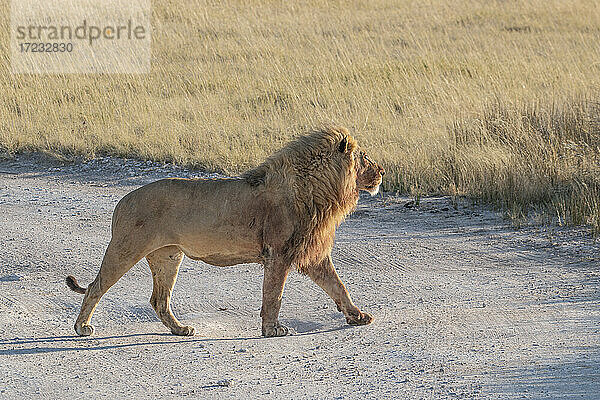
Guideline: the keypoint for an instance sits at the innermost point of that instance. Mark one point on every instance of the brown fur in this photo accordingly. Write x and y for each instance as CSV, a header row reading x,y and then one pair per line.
x,y
322,182
282,214
73,285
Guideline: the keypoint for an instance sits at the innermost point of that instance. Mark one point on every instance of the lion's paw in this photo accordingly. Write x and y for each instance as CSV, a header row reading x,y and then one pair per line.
x,y
275,330
359,319
184,331
84,330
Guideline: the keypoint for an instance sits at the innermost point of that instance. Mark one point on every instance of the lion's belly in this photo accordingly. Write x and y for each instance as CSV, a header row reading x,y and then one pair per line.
x,y
222,252
222,260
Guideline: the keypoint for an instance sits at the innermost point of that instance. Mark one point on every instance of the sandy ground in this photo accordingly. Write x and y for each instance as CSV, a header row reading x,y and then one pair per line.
x,y
465,306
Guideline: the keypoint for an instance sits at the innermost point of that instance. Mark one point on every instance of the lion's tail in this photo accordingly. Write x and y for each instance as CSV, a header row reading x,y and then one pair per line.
x,y
73,285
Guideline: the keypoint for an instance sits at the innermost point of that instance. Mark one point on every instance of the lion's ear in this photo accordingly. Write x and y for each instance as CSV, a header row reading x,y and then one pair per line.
x,y
344,145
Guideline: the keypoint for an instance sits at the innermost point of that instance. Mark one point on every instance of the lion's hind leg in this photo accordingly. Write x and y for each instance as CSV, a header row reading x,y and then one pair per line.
x,y
119,257
164,264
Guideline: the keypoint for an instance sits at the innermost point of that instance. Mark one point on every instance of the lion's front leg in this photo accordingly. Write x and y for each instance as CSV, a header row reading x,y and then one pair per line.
x,y
326,277
274,281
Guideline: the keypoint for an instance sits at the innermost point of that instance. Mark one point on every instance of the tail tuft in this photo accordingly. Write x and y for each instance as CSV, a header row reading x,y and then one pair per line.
x,y
73,285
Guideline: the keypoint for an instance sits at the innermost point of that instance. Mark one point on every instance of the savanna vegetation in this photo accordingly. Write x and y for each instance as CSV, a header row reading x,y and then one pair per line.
x,y
495,100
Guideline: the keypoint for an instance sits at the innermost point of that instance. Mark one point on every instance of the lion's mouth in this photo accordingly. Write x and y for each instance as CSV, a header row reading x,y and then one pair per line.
x,y
374,189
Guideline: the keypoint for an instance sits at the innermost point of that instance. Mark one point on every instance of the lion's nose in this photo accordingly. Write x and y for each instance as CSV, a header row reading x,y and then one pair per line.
x,y
381,171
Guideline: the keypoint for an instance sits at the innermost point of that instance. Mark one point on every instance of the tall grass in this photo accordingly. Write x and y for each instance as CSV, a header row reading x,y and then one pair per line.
x,y
544,157
451,96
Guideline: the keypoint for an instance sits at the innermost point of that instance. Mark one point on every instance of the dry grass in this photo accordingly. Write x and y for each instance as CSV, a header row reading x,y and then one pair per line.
x,y
481,98
542,157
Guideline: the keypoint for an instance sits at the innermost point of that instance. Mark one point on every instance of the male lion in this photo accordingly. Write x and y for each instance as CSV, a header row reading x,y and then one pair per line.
x,y
281,214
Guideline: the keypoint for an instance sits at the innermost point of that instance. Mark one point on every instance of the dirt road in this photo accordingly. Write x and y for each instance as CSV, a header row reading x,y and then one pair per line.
x,y
465,306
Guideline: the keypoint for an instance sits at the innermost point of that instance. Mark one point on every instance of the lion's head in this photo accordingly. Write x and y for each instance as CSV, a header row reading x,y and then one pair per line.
x,y
369,174
322,173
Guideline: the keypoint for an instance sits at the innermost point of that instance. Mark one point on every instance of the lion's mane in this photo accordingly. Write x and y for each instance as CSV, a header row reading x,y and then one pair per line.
x,y
319,179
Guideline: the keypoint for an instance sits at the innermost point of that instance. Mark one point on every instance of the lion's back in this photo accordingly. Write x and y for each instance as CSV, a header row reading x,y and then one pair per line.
x,y
176,201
